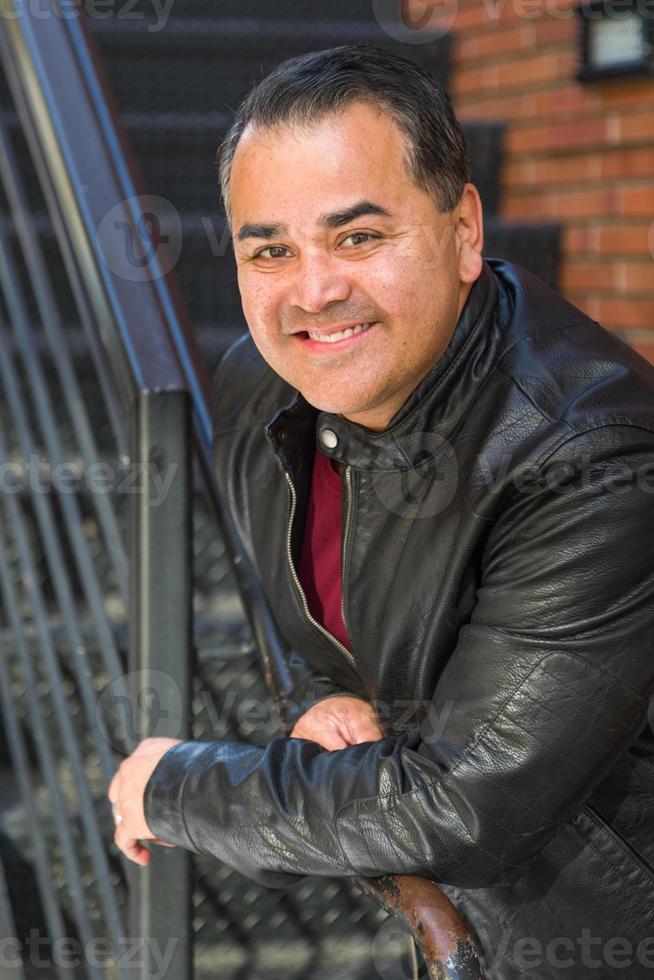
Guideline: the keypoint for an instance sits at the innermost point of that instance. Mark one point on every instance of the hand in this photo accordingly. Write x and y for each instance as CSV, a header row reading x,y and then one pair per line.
x,y
339,721
126,793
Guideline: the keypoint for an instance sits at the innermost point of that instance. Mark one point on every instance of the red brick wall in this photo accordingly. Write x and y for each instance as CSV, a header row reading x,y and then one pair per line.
x,y
580,154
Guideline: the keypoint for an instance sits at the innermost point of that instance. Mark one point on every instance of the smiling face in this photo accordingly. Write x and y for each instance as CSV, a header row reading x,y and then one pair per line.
x,y
331,232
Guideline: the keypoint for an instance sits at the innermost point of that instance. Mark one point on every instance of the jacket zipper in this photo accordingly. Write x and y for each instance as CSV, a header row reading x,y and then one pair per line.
x,y
343,650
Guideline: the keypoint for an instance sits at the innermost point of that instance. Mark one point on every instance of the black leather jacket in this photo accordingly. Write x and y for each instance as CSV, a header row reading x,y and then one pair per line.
x,y
498,579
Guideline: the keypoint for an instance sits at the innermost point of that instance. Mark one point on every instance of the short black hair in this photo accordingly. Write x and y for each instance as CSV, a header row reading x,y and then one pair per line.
x,y
304,89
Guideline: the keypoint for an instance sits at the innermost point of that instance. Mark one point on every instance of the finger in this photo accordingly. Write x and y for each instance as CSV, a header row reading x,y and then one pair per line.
x,y
313,730
132,849
369,734
332,741
112,792
164,843
359,730
327,738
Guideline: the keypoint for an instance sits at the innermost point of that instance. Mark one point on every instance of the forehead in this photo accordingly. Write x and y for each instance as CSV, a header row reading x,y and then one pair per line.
x,y
357,153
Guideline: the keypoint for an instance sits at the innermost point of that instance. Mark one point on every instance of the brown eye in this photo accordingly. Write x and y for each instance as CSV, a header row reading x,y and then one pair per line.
x,y
270,248
366,235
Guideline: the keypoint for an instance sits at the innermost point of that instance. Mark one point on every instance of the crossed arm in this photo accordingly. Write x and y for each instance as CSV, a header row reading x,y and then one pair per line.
x,y
333,723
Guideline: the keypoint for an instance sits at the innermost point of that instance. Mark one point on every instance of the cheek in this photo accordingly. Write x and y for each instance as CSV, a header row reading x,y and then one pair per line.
x,y
257,301
400,288
388,281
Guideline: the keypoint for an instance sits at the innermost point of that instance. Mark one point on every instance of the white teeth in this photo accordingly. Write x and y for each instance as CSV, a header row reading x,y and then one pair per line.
x,y
341,335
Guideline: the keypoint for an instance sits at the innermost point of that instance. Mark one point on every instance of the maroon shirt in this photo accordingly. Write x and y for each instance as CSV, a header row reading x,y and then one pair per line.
x,y
320,562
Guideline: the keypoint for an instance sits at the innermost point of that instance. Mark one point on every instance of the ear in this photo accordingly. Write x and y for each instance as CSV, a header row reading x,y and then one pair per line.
x,y
469,229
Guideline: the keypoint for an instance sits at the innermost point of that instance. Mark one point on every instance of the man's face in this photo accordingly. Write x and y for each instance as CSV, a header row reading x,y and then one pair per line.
x,y
305,264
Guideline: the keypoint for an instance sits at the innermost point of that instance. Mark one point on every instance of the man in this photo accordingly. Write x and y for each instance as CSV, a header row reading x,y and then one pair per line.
x,y
471,636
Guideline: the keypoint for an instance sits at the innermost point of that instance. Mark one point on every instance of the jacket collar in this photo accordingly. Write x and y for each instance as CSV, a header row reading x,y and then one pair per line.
x,y
433,408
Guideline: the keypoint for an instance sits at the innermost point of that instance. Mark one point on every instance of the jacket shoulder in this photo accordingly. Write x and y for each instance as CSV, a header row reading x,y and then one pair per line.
x,y
568,365
245,389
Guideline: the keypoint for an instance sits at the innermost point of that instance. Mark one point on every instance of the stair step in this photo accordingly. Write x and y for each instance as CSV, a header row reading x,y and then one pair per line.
x,y
535,246
205,65
146,12
484,141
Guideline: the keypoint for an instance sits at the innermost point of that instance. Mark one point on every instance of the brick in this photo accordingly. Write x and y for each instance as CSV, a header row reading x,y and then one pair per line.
x,y
518,173
526,207
480,15
506,107
635,277
485,16
527,71
637,201
631,162
556,102
468,49
626,313
580,240
571,135
550,30
568,169
588,276
636,128
564,102
561,205
482,79
501,39
628,94
533,70
610,238
625,239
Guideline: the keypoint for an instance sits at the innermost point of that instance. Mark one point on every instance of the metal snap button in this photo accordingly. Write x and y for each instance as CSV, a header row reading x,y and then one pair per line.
x,y
328,438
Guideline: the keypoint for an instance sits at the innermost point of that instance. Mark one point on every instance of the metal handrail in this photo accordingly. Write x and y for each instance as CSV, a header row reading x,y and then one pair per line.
x,y
83,174
86,169
447,949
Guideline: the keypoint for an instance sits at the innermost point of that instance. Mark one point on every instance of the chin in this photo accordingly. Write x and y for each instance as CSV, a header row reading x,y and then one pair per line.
x,y
335,406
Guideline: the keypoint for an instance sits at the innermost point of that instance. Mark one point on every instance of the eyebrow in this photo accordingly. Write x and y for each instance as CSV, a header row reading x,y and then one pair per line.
x,y
332,219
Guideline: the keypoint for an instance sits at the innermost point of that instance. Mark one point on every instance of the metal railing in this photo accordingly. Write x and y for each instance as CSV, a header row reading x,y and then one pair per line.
x,y
156,393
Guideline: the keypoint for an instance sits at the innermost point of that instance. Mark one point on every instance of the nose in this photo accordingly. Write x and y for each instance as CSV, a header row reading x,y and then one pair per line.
x,y
319,280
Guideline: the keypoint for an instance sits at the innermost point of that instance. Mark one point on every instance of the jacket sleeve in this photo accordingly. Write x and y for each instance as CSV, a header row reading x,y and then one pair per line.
x,y
548,684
